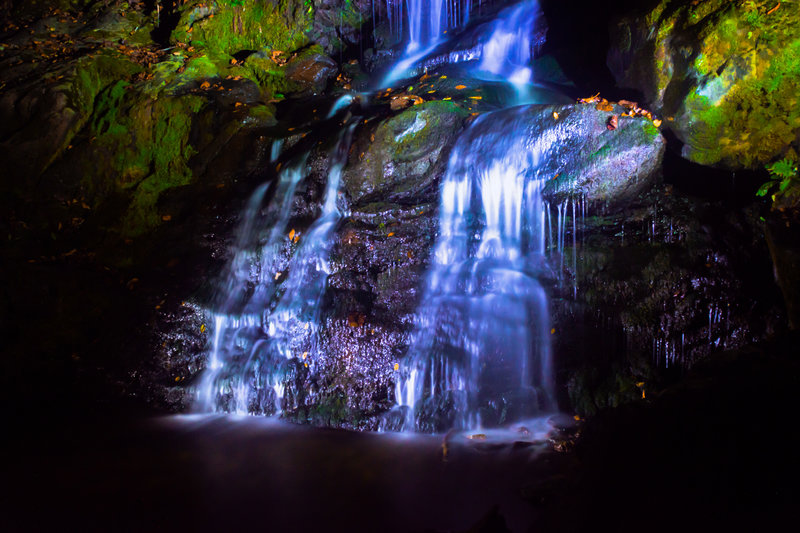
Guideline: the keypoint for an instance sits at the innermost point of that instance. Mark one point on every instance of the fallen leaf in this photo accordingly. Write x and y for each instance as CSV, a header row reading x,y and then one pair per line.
x,y
459,87
396,367
202,328
477,436
604,105
291,235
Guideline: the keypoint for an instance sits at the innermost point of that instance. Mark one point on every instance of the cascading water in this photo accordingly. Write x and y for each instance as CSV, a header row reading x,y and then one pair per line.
x,y
507,52
427,22
503,48
480,354
269,320
481,350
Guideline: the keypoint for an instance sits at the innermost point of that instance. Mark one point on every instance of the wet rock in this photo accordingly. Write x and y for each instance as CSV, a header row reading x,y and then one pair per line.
x,y
608,166
655,289
575,153
338,24
312,70
723,74
402,158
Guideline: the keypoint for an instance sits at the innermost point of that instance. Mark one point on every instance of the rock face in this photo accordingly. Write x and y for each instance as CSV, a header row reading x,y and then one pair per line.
x,y
596,152
723,74
399,161
654,289
312,70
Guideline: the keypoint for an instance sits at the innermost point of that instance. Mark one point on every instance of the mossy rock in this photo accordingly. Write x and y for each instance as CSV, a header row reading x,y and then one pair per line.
x,y
311,70
724,75
139,147
39,121
233,26
401,158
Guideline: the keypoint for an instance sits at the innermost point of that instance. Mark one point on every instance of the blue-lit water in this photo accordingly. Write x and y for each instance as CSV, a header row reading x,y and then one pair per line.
x,y
481,352
269,320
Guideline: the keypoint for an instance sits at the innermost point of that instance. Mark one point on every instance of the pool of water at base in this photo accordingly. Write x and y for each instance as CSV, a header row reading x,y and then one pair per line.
x,y
216,473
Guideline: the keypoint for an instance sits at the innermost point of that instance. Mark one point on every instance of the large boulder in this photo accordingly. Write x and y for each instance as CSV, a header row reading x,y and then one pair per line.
x,y
401,158
724,74
593,150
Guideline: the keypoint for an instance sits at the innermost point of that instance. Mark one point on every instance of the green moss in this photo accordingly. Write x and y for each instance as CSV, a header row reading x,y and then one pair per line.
x,y
419,125
268,76
602,152
95,73
751,123
231,27
142,144
650,130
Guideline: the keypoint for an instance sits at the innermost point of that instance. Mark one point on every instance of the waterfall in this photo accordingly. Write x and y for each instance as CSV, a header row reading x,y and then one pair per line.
x,y
428,21
507,52
268,320
481,353
502,47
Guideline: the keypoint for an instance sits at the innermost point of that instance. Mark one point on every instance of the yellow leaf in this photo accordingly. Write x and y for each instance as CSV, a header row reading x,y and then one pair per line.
x,y
459,87
555,115
291,234
177,379
553,331
640,384
657,122
390,234
305,354
396,367
202,328
476,97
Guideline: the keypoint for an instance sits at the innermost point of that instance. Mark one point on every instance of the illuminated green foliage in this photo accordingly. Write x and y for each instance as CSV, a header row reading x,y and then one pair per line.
x,y
142,144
